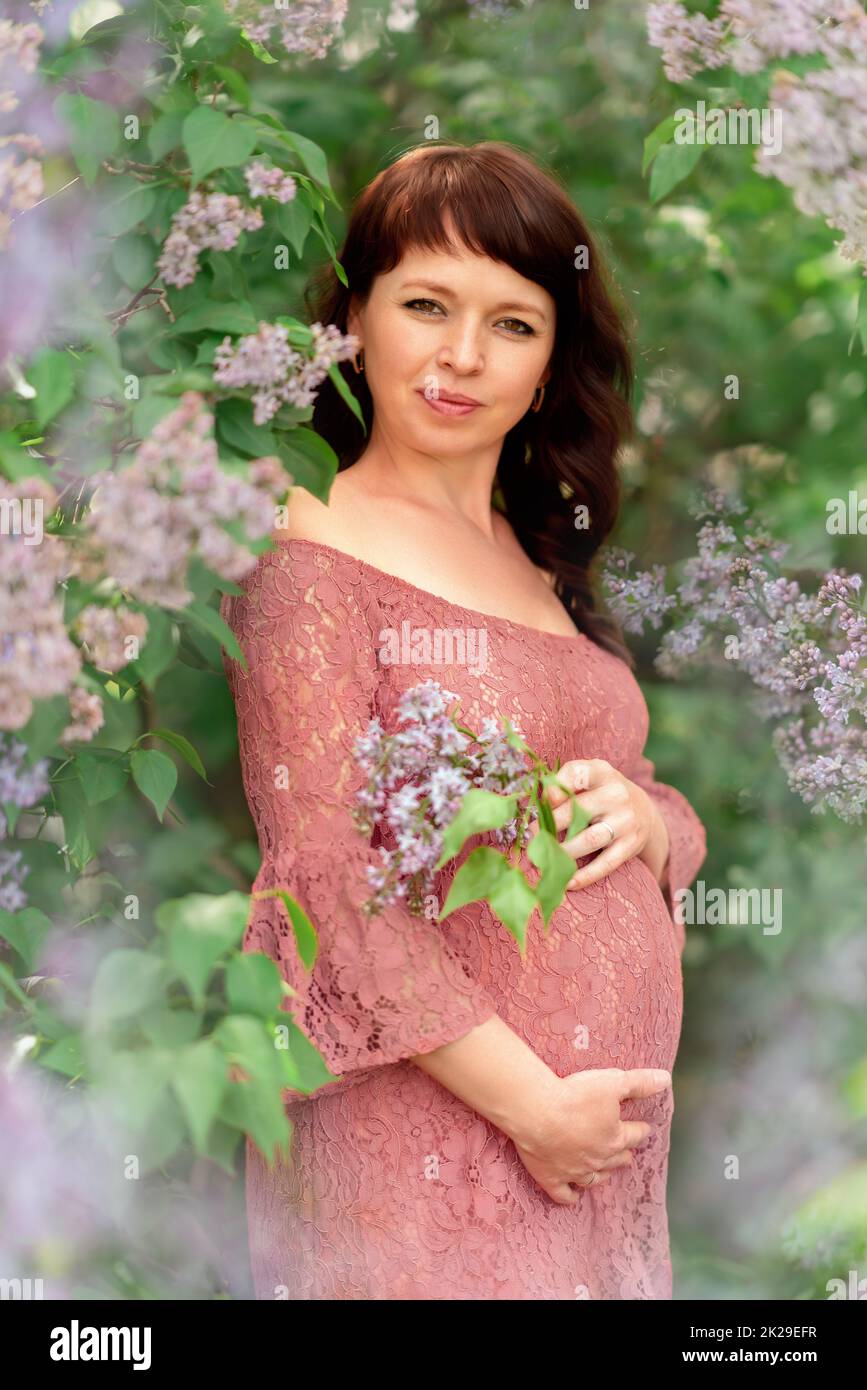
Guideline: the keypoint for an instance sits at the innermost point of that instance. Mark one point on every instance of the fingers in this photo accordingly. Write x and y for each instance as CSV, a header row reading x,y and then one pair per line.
x,y
563,1194
604,863
643,1081
620,1160
579,775
597,836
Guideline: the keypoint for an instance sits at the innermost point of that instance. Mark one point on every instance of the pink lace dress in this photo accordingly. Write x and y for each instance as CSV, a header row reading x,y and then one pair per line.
x,y
397,1189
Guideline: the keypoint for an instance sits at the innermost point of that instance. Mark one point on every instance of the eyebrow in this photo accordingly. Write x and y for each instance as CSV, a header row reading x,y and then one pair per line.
x,y
444,289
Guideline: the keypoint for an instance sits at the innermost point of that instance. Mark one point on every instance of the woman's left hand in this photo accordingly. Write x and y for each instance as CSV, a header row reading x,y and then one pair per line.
x,y
606,795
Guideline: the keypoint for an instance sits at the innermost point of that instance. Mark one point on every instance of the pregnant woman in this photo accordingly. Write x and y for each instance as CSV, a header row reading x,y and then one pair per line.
x,y
500,1128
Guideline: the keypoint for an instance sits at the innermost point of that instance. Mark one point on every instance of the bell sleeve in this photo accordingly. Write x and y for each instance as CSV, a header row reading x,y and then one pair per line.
x,y
686,837
381,988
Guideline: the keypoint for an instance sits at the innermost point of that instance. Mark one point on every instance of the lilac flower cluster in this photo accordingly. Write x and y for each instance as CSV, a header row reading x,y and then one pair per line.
x,y
87,713
148,520
280,375
749,34
21,784
306,26
824,113
37,658
417,779
21,182
265,182
824,153
12,875
207,221
103,633
806,653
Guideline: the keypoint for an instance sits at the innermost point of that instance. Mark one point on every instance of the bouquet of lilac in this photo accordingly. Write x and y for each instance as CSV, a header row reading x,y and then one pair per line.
x,y
807,653
434,783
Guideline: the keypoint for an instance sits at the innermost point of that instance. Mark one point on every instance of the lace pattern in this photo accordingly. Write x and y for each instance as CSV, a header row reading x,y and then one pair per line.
x,y
396,1189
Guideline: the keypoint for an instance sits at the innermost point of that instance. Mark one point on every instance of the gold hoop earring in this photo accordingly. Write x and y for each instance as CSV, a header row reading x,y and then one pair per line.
x,y
359,367
537,404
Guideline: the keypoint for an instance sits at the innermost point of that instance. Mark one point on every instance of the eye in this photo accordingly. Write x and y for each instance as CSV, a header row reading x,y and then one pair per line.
x,y
412,303
524,330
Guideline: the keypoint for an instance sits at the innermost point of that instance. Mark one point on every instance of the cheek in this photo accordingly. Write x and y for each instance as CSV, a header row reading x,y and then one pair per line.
x,y
517,372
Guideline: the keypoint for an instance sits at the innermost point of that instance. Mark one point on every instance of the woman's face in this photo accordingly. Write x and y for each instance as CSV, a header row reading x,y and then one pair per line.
x,y
439,326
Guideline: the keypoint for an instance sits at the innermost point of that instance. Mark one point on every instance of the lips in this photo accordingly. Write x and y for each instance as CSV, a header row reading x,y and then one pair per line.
x,y
450,405
457,400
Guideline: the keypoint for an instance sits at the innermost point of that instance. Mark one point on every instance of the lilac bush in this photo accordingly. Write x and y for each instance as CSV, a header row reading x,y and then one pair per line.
x,y
806,653
823,159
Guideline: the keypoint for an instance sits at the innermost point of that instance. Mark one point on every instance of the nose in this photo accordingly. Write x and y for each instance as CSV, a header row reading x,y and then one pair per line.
x,y
461,350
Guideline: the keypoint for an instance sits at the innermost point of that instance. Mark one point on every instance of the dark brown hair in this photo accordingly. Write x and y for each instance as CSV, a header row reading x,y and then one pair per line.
x,y
505,206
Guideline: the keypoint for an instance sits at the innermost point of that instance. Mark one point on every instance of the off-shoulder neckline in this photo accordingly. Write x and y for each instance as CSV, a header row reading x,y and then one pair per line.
x,y
428,593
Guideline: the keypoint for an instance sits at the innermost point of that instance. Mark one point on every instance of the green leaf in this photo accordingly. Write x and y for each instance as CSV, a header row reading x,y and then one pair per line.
x,y
131,202
218,318
53,377
310,459
201,615
25,930
72,806
200,1081
661,135
64,1056
133,257
556,866
165,135
254,984
17,464
304,1067
237,85
344,391
93,129
213,141
181,745
256,48
860,323
158,651
580,817
254,1105
323,231
671,166
155,775
11,985
200,928
306,938
479,811
234,425
125,982
102,774
485,875
312,157
293,219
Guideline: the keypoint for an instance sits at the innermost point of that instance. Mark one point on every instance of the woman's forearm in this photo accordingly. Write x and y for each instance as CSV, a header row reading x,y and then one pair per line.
x,y
492,1070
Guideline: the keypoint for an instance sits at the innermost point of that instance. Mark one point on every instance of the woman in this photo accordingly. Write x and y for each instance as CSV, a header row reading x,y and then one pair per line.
x,y
501,1126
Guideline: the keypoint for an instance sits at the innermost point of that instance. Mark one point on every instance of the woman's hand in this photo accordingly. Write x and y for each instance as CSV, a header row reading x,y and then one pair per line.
x,y
579,1131
606,795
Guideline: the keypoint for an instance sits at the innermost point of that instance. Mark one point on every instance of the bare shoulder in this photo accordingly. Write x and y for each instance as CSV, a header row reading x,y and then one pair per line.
x,y
306,517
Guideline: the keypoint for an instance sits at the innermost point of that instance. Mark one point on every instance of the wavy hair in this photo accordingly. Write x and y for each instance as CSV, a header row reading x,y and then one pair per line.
x,y
503,205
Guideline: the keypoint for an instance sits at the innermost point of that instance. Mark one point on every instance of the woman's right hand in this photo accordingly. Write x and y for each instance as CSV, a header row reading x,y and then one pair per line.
x,y
578,1129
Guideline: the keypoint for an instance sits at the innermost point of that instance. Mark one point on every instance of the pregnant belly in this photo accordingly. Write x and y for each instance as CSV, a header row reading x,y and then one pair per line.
x,y
603,986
